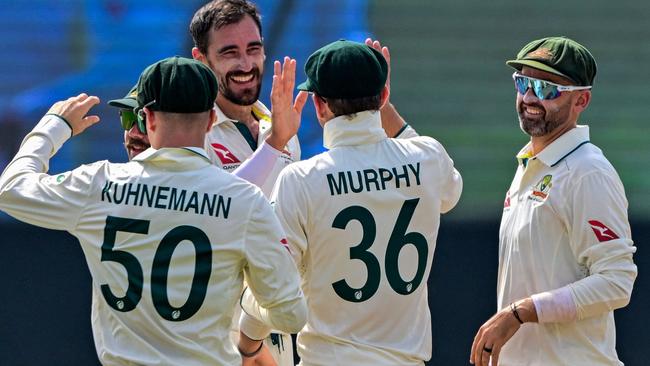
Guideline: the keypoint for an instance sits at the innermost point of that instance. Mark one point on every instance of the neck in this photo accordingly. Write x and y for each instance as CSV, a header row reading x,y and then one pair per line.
x,y
539,143
179,139
241,113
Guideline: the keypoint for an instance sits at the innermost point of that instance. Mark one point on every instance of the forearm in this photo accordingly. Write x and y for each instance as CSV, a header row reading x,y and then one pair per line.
x,y
257,321
259,166
393,123
608,288
37,148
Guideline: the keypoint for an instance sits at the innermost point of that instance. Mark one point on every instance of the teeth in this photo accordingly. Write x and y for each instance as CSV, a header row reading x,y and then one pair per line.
x,y
243,78
533,110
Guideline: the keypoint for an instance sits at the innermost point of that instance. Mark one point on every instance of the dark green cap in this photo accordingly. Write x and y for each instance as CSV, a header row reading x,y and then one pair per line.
x,y
558,55
129,101
177,85
345,70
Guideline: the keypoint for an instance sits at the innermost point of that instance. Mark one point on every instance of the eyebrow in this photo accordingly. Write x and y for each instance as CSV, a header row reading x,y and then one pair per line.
x,y
232,46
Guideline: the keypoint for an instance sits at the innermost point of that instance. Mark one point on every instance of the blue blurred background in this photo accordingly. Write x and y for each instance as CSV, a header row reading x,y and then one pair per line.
x,y
449,81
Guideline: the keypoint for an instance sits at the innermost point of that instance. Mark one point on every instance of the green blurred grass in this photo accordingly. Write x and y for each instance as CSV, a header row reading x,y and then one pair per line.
x,y
449,80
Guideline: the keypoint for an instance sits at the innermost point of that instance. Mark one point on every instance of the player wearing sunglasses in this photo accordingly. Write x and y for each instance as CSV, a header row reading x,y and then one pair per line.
x,y
565,247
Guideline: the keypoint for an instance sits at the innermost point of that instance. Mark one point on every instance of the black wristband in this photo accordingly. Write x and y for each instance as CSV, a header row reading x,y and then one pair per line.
x,y
252,354
513,307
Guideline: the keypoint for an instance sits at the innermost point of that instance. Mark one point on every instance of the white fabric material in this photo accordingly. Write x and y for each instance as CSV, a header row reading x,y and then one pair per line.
x,y
339,231
227,148
555,306
555,210
257,168
190,203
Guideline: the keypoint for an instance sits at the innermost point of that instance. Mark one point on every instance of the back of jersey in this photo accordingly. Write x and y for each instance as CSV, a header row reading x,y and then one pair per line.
x,y
362,222
167,239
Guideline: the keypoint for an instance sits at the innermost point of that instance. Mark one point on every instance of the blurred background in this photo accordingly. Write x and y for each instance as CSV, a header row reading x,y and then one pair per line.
x,y
449,81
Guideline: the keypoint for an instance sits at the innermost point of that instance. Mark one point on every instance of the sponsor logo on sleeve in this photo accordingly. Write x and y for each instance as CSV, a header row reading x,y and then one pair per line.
x,y
506,203
224,154
603,233
285,244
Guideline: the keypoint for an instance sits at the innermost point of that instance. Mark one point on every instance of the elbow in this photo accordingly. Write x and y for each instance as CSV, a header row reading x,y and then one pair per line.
x,y
296,318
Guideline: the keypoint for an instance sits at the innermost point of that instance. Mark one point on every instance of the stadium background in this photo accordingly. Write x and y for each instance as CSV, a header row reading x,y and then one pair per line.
x,y
449,81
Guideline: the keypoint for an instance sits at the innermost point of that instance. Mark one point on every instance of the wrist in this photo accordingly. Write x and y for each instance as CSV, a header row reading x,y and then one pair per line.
x,y
276,142
247,346
524,311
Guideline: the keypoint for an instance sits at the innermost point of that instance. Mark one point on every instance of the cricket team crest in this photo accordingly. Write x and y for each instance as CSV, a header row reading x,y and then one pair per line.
x,y
541,189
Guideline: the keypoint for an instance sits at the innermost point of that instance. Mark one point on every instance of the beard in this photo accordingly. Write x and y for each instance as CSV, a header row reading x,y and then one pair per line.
x,y
244,97
135,146
543,124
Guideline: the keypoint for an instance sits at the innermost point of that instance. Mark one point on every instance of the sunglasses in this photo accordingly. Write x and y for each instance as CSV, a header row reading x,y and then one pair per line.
x,y
544,90
129,117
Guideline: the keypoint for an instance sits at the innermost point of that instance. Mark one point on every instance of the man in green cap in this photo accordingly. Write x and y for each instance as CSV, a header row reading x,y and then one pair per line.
x,y
168,237
565,258
362,218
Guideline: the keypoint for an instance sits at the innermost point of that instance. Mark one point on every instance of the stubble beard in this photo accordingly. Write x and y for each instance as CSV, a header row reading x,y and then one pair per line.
x,y
244,97
546,123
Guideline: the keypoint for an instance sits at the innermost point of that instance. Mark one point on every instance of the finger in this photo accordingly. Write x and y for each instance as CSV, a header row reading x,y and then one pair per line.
x,y
376,45
275,89
90,120
475,343
301,99
86,102
386,53
368,42
291,75
495,355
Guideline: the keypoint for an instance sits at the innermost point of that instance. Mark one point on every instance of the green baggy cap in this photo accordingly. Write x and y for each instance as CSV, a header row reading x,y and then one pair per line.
x,y
129,101
558,55
177,85
345,70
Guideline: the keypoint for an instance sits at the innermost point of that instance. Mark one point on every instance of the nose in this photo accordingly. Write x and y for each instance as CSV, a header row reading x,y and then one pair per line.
x,y
245,62
134,131
529,96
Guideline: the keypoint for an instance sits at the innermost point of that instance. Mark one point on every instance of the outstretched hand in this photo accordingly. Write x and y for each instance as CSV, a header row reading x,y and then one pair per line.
x,y
284,110
385,52
74,110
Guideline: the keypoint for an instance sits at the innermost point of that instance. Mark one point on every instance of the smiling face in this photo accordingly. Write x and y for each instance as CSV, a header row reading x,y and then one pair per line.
x,y
235,54
542,117
135,142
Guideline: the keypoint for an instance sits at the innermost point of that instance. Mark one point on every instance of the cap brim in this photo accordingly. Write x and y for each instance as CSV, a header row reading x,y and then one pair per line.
x,y
306,86
518,64
124,103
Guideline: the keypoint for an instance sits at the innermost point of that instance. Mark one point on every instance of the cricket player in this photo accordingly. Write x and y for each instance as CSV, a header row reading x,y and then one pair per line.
x,y
168,237
362,218
565,246
256,169
227,36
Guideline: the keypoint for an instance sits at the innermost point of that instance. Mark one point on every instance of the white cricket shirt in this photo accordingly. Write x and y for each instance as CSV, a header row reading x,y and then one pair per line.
x,y
228,148
565,224
362,221
168,239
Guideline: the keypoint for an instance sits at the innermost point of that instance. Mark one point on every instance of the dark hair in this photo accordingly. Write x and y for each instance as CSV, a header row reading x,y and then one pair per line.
x,y
341,107
217,14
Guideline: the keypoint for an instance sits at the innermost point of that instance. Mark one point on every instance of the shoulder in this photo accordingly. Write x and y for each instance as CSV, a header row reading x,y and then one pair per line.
x,y
588,159
424,146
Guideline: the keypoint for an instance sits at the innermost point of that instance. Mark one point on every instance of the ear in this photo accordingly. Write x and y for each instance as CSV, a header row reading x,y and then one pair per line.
x,y
213,119
198,55
385,93
152,123
318,105
583,100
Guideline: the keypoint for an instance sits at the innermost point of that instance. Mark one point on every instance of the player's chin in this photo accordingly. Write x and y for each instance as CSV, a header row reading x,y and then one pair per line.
x,y
134,151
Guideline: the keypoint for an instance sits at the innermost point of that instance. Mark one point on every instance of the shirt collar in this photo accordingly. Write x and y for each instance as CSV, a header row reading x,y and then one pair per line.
x,y
184,157
363,128
259,111
559,149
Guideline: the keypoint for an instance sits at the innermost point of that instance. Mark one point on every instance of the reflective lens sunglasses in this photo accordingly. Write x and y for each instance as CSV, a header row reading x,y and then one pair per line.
x,y
544,90
128,119
140,117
